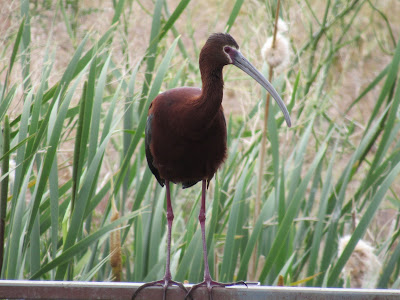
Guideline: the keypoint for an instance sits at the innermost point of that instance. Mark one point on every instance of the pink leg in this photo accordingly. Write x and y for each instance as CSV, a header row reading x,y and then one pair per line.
x,y
202,220
208,282
167,280
170,219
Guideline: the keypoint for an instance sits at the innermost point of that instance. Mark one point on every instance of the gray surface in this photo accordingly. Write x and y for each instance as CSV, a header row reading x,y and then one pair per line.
x,y
18,289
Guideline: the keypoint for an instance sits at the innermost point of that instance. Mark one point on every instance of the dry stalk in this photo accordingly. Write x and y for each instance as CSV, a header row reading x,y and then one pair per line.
x,y
115,247
262,150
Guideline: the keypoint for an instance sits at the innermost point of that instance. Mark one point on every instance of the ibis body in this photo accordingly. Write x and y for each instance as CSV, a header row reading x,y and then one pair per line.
x,y
186,135
185,139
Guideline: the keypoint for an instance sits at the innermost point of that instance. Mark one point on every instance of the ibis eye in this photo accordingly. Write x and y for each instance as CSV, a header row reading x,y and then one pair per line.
x,y
229,52
227,49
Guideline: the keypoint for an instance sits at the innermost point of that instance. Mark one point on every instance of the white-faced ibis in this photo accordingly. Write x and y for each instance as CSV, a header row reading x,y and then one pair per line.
x,y
186,136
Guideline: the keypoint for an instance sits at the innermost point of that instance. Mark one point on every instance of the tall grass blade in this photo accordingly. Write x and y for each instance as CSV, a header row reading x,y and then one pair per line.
x,y
255,235
128,125
4,187
156,232
187,260
291,212
67,23
234,14
174,17
77,163
82,202
83,244
54,209
363,224
12,58
49,156
15,251
152,50
388,130
118,11
389,268
96,111
387,86
5,103
22,138
370,87
25,46
155,88
235,226
316,242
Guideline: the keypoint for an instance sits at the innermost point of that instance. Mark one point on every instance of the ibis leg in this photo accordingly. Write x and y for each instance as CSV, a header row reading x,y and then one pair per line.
x,y
208,282
167,280
202,220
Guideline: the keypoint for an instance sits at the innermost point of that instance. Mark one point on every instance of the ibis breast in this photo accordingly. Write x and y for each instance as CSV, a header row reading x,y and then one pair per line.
x,y
179,146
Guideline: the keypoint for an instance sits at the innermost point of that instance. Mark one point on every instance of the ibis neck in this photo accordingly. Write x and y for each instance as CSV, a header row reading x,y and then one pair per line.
x,y
212,93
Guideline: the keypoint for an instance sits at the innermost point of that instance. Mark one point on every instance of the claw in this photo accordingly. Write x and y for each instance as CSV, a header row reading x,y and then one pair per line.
x,y
164,283
210,284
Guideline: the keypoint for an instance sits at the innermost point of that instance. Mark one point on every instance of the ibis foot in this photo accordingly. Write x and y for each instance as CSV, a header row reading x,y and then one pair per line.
x,y
164,283
210,284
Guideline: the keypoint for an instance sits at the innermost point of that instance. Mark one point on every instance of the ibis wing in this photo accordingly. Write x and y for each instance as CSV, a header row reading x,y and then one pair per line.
x,y
188,184
149,156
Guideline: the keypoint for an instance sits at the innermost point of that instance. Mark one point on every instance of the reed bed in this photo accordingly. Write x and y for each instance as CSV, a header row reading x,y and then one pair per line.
x,y
73,169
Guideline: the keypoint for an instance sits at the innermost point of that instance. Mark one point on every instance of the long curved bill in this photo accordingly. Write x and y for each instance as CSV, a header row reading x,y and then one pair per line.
x,y
242,63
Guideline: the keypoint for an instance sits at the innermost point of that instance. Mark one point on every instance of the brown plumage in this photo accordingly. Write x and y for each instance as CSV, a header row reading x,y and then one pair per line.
x,y
182,147
186,126
186,135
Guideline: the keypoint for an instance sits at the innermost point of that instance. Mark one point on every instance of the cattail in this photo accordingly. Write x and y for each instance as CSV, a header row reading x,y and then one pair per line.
x,y
275,52
281,281
362,268
115,250
277,56
282,26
